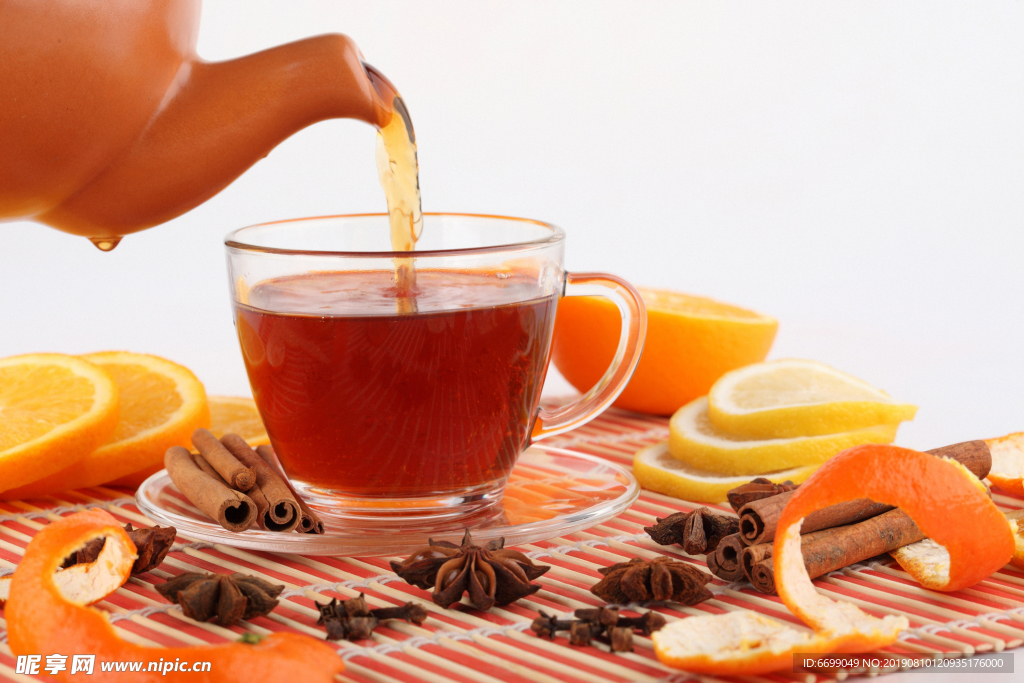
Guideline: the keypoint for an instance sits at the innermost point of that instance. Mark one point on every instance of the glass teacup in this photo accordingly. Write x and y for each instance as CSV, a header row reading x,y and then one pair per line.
x,y
410,402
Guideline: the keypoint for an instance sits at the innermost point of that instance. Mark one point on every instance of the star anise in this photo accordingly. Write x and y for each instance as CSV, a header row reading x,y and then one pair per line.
x,y
226,598
491,574
662,578
698,531
756,490
152,544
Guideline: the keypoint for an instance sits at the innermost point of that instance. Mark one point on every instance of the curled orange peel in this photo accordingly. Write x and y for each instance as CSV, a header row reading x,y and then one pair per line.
x,y
88,583
1016,520
947,502
42,620
1007,463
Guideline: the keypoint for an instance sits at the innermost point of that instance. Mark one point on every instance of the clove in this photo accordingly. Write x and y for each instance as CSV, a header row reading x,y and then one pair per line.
x,y
354,620
546,625
410,612
605,617
597,622
581,632
620,638
647,623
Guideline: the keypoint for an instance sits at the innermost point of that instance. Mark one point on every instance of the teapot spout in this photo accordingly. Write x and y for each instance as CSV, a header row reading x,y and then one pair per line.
x,y
216,121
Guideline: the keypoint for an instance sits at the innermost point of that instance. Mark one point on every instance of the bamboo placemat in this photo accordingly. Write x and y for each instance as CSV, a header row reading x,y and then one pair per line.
x,y
463,644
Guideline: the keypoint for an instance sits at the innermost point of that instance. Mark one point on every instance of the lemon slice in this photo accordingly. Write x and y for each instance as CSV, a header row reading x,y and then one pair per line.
x,y
656,469
694,440
790,398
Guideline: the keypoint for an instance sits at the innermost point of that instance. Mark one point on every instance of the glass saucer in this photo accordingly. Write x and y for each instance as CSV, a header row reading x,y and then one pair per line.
x,y
551,492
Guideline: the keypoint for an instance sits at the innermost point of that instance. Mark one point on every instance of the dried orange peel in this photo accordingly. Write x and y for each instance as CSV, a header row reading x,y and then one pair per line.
x,y
1007,463
87,583
40,619
947,502
1016,520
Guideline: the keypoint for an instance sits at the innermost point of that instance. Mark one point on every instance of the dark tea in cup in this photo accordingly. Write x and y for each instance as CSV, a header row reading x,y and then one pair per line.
x,y
367,402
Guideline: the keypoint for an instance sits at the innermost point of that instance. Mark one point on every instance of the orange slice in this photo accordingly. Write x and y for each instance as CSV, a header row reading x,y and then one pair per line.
x,y
228,415
946,501
237,415
1008,463
54,411
162,403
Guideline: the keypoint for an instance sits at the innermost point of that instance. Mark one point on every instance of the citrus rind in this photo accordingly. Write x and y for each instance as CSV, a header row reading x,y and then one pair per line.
x,y
745,643
1016,520
947,502
1007,471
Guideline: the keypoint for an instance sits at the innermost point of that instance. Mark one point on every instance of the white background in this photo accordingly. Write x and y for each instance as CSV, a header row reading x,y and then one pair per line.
x,y
854,169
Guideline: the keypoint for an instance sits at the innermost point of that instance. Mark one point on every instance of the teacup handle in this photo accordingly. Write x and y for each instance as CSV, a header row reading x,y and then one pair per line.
x,y
627,355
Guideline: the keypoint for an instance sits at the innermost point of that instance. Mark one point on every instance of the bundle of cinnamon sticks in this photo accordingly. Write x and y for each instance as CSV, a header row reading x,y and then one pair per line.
x,y
833,538
239,487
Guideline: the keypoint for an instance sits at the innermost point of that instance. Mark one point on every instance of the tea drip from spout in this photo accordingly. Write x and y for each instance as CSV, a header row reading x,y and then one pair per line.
x,y
105,243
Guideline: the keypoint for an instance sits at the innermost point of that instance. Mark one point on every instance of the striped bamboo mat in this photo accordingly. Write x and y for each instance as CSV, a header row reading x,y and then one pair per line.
x,y
463,644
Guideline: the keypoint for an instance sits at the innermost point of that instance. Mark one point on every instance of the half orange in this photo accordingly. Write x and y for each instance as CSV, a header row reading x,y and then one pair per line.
x,y
691,342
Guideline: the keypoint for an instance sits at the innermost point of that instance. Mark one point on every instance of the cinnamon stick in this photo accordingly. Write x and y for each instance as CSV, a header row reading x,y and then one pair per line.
x,y
233,510
282,511
309,522
235,473
753,555
725,561
756,489
759,518
262,519
831,549
208,468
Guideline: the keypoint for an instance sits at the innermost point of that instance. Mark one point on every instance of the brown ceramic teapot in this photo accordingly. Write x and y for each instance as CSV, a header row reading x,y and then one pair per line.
x,y
110,123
